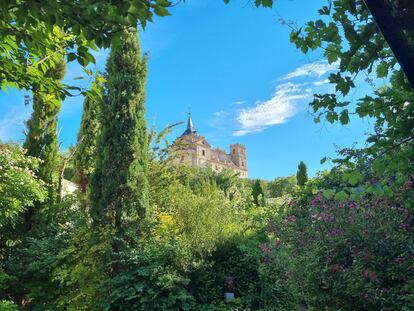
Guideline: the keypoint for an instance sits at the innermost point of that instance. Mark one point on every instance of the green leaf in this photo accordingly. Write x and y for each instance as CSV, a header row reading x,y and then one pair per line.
x,y
71,57
354,178
328,193
344,118
161,11
265,3
331,116
341,196
164,3
382,70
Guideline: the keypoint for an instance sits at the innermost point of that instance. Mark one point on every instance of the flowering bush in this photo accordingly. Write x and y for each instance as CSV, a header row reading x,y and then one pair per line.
x,y
351,254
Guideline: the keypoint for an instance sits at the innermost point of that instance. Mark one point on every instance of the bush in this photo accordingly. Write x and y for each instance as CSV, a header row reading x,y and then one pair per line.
x,y
351,254
6,305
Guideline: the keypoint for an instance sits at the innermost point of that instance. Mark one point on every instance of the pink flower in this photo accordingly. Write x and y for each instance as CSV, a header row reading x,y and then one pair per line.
x,y
351,204
334,268
291,218
265,247
332,232
408,184
365,274
278,242
314,201
374,276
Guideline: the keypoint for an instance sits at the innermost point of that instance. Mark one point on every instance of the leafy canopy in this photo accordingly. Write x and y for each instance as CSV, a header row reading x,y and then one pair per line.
x,y
33,34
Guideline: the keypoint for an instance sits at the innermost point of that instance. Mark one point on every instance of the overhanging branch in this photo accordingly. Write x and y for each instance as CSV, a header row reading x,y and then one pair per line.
x,y
392,30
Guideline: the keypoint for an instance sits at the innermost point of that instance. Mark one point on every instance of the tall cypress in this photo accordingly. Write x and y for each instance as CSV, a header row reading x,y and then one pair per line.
x,y
302,174
42,138
87,136
119,187
257,191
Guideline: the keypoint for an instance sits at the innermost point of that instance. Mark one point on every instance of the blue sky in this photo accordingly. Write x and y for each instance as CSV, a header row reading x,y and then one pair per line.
x,y
234,67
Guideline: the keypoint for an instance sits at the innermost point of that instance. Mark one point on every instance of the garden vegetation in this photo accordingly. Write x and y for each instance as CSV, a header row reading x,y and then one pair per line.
x,y
142,232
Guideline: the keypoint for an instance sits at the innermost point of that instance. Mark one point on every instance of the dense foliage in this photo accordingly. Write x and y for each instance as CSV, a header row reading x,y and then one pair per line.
x,y
34,35
145,233
19,187
352,253
89,130
42,137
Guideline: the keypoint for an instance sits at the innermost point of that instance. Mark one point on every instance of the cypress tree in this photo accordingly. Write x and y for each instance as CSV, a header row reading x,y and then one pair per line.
x,y
257,192
302,174
87,136
42,138
119,188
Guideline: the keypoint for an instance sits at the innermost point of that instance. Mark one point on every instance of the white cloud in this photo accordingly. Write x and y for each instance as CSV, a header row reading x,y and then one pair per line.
x,y
221,114
321,82
315,69
239,102
277,110
13,123
289,98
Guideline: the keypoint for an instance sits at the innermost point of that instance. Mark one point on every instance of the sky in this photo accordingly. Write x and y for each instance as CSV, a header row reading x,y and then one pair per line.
x,y
234,68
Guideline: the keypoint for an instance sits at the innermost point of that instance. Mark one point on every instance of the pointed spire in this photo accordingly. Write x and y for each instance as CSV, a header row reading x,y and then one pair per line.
x,y
190,128
190,123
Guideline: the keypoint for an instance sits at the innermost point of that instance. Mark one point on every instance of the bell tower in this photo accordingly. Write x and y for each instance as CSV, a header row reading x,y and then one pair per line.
x,y
238,155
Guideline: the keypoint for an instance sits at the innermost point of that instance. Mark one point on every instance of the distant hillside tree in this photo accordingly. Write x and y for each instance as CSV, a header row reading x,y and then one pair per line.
x,y
87,136
281,186
119,187
258,192
302,174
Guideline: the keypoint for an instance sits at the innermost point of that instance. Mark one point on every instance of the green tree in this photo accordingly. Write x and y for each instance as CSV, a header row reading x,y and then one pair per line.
x,y
362,49
302,174
281,186
119,187
87,136
34,34
42,138
258,192
348,34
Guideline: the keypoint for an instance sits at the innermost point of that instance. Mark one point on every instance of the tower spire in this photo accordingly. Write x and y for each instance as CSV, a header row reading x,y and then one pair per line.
x,y
190,128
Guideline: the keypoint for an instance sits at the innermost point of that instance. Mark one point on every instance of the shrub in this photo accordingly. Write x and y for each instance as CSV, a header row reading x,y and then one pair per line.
x,y
351,254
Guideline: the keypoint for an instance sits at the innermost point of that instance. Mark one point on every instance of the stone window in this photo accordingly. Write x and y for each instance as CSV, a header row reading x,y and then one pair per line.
x,y
234,151
203,152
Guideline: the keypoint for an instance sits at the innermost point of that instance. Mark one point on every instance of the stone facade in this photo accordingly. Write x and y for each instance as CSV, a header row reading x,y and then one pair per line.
x,y
194,150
